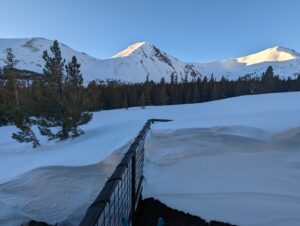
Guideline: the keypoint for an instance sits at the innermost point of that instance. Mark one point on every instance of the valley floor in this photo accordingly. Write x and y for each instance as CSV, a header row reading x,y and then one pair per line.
x,y
234,160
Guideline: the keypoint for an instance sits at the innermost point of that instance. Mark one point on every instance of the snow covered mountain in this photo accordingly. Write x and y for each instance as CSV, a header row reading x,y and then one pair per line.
x,y
133,64
29,53
285,62
143,59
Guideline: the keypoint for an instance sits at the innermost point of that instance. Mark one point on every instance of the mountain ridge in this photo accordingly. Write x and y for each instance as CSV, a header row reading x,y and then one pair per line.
x,y
143,59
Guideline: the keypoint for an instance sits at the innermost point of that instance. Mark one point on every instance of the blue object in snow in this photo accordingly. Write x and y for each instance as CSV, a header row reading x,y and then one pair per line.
x,y
160,222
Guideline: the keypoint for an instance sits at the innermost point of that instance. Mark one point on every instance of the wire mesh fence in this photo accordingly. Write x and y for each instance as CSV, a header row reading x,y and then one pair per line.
x,y
119,197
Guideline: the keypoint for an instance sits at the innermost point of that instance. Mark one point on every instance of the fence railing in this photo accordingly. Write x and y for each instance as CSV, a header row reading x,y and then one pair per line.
x,y
117,201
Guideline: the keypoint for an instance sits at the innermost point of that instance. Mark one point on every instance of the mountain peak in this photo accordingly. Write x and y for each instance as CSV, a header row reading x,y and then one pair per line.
x,y
276,53
132,49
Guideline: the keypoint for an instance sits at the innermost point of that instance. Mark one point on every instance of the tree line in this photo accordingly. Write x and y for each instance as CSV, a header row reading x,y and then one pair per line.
x,y
111,94
57,102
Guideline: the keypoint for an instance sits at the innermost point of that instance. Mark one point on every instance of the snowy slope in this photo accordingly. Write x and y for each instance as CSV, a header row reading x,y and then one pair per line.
x,y
242,155
285,62
277,53
112,129
29,53
143,59
133,64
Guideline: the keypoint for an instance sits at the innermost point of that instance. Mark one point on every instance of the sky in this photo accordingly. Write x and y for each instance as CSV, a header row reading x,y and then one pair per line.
x,y
191,30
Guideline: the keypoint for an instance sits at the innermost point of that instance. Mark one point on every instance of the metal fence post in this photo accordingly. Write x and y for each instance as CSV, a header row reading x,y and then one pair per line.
x,y
133,182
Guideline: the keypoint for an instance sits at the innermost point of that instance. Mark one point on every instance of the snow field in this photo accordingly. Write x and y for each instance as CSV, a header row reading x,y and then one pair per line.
x,y
233,160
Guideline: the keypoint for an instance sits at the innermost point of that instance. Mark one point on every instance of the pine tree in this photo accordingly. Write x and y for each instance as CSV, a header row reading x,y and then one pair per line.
x,y
26,134
163,96
12,83
196,91
65,106
223,87
204,89
20,120
4,101
53,79
268,80
94,96
75,114
142,100
125,105
173,89
147,91
213,88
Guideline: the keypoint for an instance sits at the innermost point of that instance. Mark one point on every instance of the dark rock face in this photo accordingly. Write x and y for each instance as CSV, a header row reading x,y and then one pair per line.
x,y
162,57
35,223
150,210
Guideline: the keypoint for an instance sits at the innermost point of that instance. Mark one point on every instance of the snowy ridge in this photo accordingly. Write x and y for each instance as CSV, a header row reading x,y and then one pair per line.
x,y
29,53
133,64
276,53
142,60
130,49
285,63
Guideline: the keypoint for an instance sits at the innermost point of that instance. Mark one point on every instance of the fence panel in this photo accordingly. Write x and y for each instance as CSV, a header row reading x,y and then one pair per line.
x,y
120,195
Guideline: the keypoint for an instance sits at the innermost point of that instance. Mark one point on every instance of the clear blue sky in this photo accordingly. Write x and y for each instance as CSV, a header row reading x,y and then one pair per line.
x,y
191,30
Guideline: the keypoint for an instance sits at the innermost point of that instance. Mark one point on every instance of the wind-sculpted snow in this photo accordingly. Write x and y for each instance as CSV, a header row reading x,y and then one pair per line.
x,y
246,177
234,160
109,130
142,60
55,194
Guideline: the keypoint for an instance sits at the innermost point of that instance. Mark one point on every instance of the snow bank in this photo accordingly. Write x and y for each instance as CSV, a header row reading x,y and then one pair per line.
x,y
110,130
211,138
55,194
219,175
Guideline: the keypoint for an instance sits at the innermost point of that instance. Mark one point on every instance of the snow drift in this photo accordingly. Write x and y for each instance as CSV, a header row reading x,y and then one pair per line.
x,y
241,175
234,160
